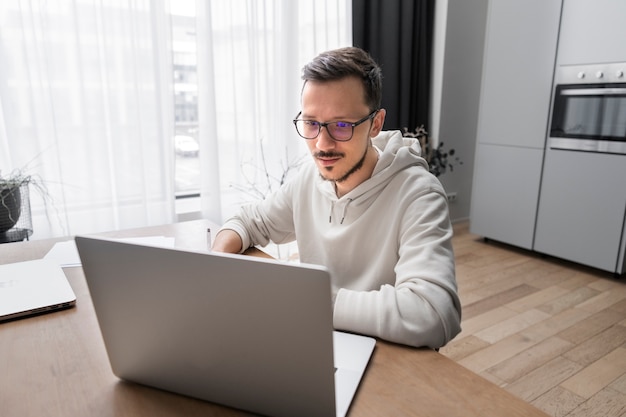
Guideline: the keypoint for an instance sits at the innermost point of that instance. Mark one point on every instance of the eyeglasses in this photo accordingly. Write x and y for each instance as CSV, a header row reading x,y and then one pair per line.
x,y
339,131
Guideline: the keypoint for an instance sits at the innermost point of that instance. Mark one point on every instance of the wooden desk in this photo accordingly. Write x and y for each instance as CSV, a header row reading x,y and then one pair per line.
x,y
56,365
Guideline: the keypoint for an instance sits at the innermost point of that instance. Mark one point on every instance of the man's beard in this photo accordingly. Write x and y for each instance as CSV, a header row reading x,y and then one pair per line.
x,y
351,171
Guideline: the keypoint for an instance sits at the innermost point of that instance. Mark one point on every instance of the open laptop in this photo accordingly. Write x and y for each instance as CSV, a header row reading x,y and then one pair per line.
x,y
250,333
33,287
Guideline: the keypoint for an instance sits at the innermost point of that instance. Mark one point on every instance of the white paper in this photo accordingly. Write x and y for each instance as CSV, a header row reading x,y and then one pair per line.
x,y
66,255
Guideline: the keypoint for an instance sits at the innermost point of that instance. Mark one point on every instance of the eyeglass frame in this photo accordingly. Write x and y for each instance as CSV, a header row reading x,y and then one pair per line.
x,y
325,124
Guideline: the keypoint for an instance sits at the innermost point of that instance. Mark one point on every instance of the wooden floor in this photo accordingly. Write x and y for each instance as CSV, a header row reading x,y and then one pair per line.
x,y
548,331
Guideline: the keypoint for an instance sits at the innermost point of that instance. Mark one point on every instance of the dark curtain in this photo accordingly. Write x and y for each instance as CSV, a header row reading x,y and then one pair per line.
x,y
398,35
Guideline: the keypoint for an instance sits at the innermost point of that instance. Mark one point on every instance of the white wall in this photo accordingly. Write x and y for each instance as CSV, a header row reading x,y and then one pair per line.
x,y
457,71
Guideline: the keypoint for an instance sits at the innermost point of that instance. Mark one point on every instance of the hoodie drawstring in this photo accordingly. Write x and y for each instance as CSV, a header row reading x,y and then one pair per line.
x,y
345,209
343,214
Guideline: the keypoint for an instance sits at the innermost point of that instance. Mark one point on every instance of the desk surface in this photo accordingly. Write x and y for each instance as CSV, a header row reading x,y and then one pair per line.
x,y
56,365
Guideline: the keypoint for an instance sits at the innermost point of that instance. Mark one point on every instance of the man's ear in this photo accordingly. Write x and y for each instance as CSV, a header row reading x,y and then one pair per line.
x,y
378,122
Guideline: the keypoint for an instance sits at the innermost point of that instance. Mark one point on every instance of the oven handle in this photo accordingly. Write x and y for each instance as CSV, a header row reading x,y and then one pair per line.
x,y
593,92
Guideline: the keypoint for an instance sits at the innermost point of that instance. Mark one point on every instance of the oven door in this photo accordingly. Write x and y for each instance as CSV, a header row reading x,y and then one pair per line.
x,y
589,117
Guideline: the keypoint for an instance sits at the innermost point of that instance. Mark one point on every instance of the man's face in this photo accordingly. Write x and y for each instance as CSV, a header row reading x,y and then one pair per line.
x,y
331,101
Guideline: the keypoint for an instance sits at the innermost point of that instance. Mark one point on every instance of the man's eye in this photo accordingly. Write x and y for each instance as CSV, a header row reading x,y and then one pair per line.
x,y
343,124
311,123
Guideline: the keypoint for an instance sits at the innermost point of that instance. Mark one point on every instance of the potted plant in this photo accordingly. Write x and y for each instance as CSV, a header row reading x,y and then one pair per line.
x,y
15,205
11,199
439,160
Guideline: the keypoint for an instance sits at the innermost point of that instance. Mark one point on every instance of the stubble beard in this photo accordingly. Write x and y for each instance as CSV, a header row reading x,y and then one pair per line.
x,y
348,174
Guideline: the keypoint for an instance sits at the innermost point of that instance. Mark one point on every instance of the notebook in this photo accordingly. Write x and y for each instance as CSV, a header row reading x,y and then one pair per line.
x,y
33,287
250,333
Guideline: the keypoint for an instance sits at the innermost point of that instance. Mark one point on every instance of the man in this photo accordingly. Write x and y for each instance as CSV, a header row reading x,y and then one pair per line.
x,y
367,209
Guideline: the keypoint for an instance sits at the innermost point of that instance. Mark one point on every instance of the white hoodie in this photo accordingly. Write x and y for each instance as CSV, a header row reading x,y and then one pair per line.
x,y
387,244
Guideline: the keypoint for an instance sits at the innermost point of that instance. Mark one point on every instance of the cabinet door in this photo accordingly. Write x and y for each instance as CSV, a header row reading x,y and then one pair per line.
x,y
581,208
505,193
592,32
518,66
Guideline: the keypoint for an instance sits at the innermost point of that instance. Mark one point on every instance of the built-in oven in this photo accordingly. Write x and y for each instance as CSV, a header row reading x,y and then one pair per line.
x,y
589,108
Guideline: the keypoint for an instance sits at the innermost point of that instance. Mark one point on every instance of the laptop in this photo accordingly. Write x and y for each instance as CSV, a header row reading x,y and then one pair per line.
x,y
251,333
33,287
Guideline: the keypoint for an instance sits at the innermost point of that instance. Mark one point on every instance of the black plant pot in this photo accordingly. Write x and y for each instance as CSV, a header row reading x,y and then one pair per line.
x,y
10,207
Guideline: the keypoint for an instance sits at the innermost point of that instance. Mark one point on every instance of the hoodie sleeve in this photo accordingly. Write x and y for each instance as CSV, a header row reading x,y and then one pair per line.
x,y
270,219
422,308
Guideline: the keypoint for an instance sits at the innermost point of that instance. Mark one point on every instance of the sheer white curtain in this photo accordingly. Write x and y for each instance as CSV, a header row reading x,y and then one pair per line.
x,y
86,104
250,56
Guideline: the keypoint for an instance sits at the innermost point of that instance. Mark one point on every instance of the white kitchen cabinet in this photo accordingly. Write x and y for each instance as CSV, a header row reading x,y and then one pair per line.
x,y
581,208
518,68
505,193
592,32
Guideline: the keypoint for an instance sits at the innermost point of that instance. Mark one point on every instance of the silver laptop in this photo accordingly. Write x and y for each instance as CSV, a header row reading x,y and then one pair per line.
x,y
33,287
250,333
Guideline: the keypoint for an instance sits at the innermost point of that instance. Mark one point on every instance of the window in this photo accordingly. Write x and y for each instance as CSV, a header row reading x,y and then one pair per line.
x,y
186,141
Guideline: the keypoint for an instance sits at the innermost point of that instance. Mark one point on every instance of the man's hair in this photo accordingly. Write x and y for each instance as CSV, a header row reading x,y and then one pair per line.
x,y
348,62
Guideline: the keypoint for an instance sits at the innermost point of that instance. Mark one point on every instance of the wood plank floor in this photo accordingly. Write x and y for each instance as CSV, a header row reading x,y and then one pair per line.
x,y
546,330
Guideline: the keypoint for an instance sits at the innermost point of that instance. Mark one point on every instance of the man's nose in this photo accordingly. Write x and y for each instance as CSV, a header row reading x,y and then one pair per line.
x,y
324,140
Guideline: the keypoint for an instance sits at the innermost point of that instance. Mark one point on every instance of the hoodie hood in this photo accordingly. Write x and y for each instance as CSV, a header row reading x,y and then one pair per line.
x,y
396,153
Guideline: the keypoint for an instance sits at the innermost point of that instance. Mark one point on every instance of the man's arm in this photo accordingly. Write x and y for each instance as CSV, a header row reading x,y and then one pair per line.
x,y
422,308
227,241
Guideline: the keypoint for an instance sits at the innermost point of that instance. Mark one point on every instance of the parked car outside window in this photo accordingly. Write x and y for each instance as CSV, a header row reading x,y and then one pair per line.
x,y
186,145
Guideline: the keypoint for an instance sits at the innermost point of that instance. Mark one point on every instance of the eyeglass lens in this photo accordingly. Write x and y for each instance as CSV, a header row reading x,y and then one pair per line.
x,y
310,129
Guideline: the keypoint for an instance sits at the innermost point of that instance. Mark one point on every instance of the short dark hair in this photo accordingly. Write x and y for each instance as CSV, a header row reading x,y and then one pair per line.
x,y
348,62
